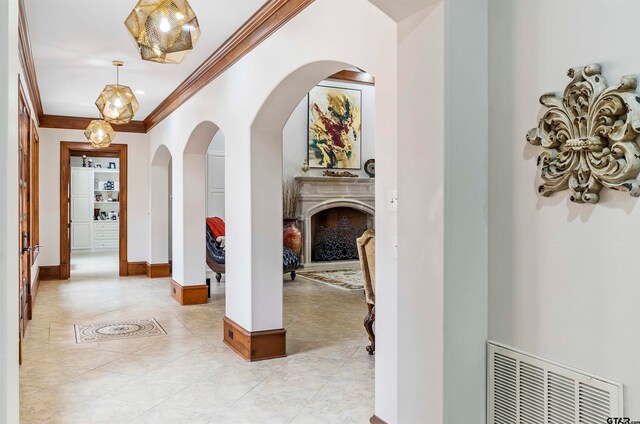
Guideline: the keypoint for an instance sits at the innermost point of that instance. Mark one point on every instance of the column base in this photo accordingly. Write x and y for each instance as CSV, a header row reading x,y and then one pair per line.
x,y
255,345
189,295
376,420
158,270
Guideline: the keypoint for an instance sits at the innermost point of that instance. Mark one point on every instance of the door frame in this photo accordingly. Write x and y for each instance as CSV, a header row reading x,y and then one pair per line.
x,y
68,149
24,214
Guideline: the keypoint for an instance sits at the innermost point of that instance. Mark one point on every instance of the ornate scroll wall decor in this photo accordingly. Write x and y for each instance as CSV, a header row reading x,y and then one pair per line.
x,y
588,137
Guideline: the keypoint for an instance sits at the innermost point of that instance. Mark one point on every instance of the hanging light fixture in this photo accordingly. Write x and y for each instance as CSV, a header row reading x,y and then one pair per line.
x,y
100,133
165,30
117,103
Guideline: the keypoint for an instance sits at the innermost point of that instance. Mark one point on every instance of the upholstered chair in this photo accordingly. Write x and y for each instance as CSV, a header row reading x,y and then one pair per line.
x,y
367,254
216,257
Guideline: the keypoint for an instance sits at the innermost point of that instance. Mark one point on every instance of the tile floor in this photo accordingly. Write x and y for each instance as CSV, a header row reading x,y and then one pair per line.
x,y
189,375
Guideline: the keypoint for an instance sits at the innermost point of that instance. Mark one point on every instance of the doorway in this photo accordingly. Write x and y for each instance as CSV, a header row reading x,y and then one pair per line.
x,y
93,209
24,212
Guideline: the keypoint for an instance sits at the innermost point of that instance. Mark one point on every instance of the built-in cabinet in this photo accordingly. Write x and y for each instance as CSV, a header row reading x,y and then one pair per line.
x,y
95,208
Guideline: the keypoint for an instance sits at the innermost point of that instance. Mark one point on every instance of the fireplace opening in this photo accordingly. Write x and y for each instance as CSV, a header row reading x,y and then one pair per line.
x,y
334,233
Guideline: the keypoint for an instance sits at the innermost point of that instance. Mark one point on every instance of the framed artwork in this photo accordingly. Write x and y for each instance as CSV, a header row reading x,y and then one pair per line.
x,y
334,127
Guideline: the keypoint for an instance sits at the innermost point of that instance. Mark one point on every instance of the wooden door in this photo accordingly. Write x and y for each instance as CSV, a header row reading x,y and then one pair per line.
x,y
24,127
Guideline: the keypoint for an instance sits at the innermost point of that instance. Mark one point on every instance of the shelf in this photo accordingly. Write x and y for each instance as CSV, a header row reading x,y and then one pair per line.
x,y
105,170
106,190
107,203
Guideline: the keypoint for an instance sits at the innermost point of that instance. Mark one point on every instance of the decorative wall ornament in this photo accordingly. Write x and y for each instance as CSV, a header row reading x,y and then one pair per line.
x,y
588,137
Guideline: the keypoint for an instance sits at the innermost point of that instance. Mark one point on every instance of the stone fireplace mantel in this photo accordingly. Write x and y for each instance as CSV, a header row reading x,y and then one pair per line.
x,y
321,193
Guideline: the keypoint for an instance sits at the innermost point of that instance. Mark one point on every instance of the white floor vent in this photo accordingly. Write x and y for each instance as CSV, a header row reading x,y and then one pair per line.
x,y
524,389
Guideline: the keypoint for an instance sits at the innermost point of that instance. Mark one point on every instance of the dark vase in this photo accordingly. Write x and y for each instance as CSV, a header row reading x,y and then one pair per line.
x,y
291,235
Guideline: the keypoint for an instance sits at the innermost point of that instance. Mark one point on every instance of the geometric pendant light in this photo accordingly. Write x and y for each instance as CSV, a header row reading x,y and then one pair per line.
x,y
165,30
100,133
117,103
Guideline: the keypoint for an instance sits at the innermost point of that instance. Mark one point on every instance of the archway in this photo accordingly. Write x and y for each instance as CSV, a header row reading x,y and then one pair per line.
x,y
260,315
160,207
262,308
189,210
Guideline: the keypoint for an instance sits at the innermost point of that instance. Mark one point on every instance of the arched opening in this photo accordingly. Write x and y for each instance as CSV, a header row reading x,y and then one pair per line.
x,y
190,207
271,297
160,207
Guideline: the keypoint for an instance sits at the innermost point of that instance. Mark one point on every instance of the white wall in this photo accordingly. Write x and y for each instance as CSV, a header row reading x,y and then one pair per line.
x,y
563,280
137,201
215,177
442,215
9,240
420,227
294,134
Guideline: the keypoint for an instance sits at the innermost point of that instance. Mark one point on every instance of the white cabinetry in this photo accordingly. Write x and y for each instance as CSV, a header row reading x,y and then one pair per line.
x,y
106,235
106,189
81,207
88,194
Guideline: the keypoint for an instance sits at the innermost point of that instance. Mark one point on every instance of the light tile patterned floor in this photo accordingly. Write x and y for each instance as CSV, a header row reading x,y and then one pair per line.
x,y
189,375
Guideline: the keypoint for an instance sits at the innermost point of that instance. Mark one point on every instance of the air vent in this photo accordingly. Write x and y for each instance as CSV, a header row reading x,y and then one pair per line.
x,y
525,389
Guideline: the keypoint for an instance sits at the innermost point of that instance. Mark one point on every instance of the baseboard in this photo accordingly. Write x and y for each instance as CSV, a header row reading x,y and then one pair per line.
x,y
158,270
136,268
49,273
255,345
189,295
34,293
376,420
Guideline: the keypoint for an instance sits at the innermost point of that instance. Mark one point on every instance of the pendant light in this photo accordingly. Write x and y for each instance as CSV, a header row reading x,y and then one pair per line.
x,y
117,103
100,133
165,30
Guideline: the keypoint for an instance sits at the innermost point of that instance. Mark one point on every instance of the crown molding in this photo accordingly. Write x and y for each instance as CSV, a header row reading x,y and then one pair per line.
x,y
75,123
26,59
269,18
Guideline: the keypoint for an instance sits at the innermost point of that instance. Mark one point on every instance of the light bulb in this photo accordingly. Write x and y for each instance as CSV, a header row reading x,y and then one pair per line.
x,y
179,16
118,102
164,25
100,133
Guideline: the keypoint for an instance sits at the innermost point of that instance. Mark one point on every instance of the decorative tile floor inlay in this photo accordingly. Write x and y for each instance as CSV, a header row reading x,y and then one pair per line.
x,y
350,279
89,333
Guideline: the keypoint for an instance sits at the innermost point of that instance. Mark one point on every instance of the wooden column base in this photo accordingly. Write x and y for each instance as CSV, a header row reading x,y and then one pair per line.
x,y
376,420
158,270
189,295
136,268
255,345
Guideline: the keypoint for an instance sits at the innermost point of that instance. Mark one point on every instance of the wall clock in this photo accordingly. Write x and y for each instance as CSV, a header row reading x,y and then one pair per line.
x,y
370,168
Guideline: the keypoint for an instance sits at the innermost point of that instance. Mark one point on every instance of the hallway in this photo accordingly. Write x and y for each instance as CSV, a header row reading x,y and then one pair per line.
x,y
189,375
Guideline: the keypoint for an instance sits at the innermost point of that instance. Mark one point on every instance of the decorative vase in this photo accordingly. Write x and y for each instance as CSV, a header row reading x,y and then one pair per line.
x,y
291,235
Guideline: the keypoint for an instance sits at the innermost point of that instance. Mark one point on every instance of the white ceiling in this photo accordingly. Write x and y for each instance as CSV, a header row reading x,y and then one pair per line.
x,y
74,41
401,9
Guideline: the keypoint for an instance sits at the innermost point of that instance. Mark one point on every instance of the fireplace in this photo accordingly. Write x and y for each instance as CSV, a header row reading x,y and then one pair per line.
x,y
335,211
334,232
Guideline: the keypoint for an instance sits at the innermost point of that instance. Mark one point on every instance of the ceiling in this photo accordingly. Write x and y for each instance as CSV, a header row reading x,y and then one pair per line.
x,y
74,41
401,9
